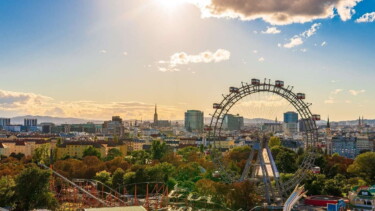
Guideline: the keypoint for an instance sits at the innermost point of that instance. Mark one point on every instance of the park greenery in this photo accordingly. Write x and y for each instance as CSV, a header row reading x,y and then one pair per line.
x,y
24,186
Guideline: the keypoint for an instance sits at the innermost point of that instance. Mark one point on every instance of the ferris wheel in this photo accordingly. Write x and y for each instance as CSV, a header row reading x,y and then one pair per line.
x,y
260,166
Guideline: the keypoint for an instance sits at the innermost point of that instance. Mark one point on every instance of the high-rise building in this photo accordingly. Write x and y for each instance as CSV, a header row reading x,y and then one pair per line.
x,y
117,119
4,122
194,120
30,122
291,122
233,122
290,117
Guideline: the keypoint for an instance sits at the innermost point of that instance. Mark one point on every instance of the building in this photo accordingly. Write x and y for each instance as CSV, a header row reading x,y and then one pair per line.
x,y
23,146
305,125
364,144
30,122
233,122
290,117
194,120
47,127
76,149
344,146
4,122
272,127
156,116
114,127
291,122
160,123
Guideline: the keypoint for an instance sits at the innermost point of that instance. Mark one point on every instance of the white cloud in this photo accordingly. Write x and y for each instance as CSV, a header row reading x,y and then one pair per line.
x,y
125,53
348,101
103,51
261,59
304,50
330,100
368,17
310,32
324,43
183,58
297,40
334,81
277,12
336,91
271,30
293,42
255,51
356,92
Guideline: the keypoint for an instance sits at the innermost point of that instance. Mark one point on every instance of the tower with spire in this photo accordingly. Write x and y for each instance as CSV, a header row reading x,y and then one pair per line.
x,y
328,128
156,116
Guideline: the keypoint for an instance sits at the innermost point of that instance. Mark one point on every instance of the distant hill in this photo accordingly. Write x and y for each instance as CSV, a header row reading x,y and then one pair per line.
x,y
55,120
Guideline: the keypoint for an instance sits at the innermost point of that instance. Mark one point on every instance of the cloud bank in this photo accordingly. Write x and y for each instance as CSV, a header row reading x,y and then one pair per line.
x,y
23,103
277,12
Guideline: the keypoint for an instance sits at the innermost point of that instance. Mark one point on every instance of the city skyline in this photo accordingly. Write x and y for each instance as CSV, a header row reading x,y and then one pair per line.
x,y
95,60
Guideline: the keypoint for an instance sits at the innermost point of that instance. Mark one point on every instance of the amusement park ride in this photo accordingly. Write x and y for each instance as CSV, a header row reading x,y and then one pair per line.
x,y
260,166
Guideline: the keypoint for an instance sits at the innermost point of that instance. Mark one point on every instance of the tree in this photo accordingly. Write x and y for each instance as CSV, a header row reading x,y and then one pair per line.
x,y
113,153
188,152
364,166
118,178
6,191
188,171
32,190
285,159
42,154
140,157
91,151
274,141
158,149
104,177
116,163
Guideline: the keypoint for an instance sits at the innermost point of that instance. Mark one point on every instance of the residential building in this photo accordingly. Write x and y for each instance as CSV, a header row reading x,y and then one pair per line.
x,y
76,148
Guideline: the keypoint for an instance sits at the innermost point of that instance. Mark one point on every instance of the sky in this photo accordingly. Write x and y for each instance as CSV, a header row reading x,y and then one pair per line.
x,y
98,58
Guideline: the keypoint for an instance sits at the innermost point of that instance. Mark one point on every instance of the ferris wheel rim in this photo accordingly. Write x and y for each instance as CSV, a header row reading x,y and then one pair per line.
x,y
295,99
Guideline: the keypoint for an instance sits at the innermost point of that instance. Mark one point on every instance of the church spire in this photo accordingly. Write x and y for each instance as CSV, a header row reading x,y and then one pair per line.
x,y
156,116
328,123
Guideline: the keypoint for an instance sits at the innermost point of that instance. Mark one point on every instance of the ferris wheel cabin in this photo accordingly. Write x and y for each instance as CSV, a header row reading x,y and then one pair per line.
x,y
255,81
301,96
217,106
234,90
279,83
316,117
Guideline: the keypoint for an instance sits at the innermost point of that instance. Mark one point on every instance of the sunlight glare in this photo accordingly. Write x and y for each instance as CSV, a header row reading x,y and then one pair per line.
x,y
171,4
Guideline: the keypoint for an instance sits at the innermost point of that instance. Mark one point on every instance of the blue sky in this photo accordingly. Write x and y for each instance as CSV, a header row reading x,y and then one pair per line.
x,y
94,59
